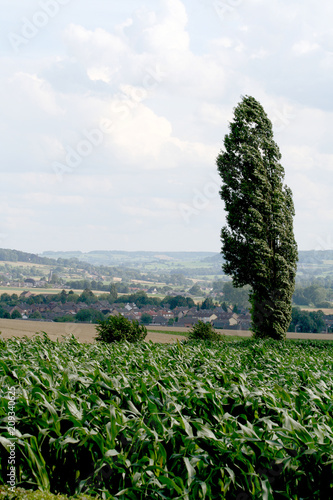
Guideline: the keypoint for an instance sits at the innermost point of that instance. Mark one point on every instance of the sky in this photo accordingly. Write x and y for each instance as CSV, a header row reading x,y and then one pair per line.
x,y
112,114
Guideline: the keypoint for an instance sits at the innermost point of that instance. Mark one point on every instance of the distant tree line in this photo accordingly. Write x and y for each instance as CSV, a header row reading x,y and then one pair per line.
x,y
313,295
305,321
316,294
17,256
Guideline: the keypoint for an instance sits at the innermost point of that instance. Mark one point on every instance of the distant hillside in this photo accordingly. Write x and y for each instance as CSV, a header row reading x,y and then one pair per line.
x,y
7,255
122,258
214,259
315,256
17,256
311,264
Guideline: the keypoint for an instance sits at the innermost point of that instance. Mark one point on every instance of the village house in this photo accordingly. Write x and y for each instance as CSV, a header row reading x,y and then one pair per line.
x,y
180,312
30,283
205,315
160,321
186,322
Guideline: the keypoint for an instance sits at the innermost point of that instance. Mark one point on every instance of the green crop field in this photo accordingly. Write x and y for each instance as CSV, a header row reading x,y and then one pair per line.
x,y
228,420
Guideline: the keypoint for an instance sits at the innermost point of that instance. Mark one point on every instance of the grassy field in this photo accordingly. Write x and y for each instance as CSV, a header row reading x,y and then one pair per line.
x,y
25,264
38,291
310,309
228,420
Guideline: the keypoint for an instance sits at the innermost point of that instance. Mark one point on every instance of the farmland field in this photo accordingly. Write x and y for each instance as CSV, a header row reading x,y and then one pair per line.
x,y
36,291
86,332
236,420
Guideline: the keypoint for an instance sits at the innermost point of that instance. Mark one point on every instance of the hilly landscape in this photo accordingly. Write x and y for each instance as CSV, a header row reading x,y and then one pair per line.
x,y
168,268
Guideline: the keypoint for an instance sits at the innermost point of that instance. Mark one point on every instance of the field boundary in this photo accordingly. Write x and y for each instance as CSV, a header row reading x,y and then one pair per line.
x,y
86,332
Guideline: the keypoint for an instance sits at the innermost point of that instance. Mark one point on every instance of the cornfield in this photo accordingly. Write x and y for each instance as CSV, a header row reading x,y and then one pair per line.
x,y
195,420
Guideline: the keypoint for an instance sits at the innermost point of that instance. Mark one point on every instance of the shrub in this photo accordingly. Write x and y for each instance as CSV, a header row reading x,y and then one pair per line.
x,y
119,329
67,318
146,319
89,316
35,315
6,493
203,331
16,315
324,305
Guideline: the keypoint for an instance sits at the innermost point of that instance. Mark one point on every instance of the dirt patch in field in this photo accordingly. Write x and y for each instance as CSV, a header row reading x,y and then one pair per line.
x,y
312,309
83,332
86,333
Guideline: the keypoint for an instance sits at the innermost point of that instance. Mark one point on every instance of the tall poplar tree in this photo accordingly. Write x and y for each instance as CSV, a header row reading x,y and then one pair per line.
x,y
258,242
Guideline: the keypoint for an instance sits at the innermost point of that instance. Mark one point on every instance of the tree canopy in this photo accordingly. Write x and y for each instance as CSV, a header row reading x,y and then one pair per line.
x,y
258,241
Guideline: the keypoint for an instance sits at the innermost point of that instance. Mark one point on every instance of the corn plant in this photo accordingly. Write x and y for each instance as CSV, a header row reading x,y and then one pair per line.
x,y
195,420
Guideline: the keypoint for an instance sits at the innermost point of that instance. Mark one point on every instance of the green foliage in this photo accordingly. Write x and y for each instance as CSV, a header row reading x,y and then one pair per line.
x,y
122,287
146,319
307,322
218,286
35,315
16,314
67,318
178,301
195,290
120,329
324,305
298,297
21,494
258,241
87,296
5,297
89,316
141,299
312,295
203,331
17,256
113,293
55,279
208,304
236,296
194,420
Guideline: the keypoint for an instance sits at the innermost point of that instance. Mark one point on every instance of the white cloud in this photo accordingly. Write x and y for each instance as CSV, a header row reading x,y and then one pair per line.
x,y
41,198
35,92
100,52
168,75
169,36
304,47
